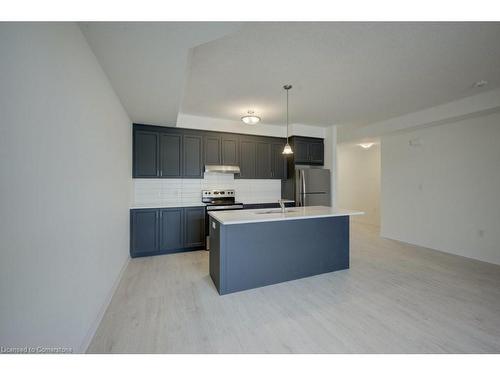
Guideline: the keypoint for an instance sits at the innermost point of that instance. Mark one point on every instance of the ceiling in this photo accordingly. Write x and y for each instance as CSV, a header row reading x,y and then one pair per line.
x,y
146,63
342,73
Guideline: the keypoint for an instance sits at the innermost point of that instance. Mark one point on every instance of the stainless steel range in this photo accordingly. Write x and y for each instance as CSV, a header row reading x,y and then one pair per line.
x,y
218,200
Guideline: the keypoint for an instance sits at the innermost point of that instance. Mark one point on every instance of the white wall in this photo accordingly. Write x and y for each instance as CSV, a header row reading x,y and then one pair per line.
x,y
480,104
444,191
359,181
308,130
65,187
217,124
185,120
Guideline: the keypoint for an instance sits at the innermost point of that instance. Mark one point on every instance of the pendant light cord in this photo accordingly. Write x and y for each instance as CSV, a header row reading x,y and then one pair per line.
x,y
287,116
287,88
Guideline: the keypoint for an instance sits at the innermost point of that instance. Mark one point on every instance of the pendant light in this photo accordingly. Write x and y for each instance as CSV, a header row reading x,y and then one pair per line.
x,y
287,150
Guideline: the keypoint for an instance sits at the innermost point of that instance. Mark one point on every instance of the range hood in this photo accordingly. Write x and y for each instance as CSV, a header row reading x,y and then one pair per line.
x,y
222,169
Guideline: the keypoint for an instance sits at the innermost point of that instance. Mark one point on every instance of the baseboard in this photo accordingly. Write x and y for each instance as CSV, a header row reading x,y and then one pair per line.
x,y
444,251
93,328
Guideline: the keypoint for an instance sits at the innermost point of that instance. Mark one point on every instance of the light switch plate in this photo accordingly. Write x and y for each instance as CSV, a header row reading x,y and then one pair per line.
x,y
213,225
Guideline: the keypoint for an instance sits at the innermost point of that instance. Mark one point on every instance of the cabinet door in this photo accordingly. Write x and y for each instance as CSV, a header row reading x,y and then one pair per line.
x,y
301,152
212,150
170,155
145,154
278,161
247,159
171,229
263,160
143,232
316,153
194,227
192,152
230,154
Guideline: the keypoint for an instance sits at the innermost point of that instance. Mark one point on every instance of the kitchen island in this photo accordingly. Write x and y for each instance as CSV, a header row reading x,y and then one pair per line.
x,y
254,248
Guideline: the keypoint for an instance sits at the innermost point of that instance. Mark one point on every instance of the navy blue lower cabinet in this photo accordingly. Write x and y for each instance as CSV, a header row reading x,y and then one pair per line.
x,y
253,206
144,232
155,231
194,224
246,256
171,230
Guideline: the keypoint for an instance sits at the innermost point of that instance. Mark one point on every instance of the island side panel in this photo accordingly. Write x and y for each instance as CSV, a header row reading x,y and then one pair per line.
x,y
215,251
259,254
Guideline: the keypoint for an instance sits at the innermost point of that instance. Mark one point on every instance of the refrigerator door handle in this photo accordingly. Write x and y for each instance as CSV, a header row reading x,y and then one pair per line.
x,y
302,188
297,188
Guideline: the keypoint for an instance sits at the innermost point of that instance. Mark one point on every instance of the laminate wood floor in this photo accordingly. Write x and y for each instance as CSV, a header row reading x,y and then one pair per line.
x,y
395,298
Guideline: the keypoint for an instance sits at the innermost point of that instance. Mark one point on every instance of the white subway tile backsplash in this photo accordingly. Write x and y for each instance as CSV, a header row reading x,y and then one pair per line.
x,y
188,191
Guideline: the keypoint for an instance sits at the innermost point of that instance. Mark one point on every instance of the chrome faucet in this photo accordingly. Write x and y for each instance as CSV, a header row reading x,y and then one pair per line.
x,y
282,205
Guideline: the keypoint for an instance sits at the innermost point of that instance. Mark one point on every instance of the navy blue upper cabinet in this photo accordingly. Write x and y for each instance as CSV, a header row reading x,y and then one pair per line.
x,y
230,149
213,154
316,152
278,161
145,160
169,152
221,149
170,155
193,156
307,150
263,160
301,151
247,159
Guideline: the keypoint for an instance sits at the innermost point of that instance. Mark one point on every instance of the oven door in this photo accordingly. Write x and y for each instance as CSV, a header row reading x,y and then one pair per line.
x,y
216,208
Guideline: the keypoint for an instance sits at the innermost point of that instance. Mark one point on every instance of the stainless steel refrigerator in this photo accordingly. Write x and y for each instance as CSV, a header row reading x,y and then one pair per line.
x,y
312,187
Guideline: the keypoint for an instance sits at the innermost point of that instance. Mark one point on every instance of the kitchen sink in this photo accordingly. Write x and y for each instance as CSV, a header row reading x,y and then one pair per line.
x,y
276,211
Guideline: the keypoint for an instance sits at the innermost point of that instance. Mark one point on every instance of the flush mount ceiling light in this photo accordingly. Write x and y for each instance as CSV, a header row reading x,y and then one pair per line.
x,y
480,83
366,145
287,150
250,119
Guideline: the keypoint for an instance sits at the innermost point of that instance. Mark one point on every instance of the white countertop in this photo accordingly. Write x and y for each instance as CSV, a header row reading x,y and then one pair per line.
x,y
292,213
182,204
166,205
